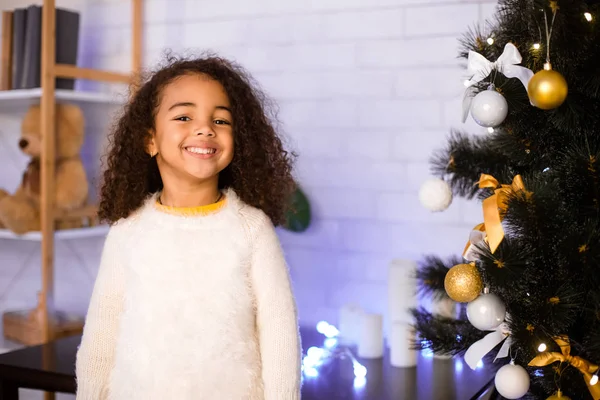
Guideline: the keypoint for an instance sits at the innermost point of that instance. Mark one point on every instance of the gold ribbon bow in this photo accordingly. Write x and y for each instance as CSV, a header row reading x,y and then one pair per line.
x,y
496,205
585,367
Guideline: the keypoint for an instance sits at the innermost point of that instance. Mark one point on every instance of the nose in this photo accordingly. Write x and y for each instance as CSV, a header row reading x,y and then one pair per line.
x,y
205,132
204,126
23,143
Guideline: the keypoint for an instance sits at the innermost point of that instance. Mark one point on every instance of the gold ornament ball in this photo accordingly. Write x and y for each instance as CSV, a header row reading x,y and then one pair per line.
x,y
463,283
547,89
558,396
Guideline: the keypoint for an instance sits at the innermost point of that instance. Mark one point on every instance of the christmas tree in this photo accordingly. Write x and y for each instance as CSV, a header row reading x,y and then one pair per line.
x,y
528,280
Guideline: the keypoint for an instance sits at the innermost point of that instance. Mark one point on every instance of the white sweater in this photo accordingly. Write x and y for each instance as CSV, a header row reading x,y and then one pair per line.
x,y
191,307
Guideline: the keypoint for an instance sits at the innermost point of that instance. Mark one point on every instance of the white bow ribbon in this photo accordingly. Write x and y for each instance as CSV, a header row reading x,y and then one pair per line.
x,y
475,237
479,68
480,348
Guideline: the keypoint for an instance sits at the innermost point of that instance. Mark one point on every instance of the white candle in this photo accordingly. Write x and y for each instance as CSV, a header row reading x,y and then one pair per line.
x,y
370,344
401,337
402,290
349,324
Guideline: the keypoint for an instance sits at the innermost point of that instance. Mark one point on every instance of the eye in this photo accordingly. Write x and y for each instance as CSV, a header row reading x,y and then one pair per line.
x,y
222,122
183,118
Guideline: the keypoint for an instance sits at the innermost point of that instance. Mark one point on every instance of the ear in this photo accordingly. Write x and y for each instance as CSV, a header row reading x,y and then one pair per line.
x,y
151,147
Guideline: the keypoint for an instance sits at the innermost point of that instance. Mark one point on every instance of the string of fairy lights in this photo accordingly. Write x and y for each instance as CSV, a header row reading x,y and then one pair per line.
x,y
318,357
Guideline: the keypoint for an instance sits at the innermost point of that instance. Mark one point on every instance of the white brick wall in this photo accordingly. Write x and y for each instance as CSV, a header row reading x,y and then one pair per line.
x,y
366,88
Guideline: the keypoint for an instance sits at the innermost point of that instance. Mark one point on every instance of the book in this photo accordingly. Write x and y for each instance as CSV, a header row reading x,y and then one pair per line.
x,y
18,45
67,43
29,50
30,74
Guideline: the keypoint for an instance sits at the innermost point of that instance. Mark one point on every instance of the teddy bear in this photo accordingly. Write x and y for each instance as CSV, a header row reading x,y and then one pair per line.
x,y
20,212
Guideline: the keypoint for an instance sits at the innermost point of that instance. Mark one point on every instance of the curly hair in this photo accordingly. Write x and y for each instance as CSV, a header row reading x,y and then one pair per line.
x,y
260,172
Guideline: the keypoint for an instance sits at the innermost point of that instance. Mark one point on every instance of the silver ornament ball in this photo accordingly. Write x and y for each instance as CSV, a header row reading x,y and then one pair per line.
x,y
486,312
489,108
512,381
435,195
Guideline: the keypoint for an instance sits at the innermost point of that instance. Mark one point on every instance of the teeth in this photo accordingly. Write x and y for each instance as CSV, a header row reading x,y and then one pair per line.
x,y
199,150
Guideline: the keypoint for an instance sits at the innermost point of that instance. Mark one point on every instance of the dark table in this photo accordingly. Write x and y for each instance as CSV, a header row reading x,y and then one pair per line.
x,y
51,368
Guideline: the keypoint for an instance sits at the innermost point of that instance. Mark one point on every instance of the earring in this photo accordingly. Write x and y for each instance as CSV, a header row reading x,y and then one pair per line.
x,y
153,154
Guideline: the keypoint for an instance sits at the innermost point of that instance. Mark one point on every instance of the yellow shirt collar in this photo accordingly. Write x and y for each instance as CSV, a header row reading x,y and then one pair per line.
x,y
192,211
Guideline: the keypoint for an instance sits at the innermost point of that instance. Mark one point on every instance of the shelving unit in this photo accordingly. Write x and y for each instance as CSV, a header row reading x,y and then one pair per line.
x,y
16,101
67,234
13,101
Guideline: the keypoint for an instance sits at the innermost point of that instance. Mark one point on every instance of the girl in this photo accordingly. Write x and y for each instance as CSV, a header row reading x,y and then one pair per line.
x,y
193,297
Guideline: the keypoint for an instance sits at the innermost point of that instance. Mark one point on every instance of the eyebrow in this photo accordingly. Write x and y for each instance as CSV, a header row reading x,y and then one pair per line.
x,y
190,104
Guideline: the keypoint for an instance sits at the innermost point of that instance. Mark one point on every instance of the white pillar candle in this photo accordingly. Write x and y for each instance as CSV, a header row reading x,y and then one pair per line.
x,y
402,290
401,339
370,344
349,324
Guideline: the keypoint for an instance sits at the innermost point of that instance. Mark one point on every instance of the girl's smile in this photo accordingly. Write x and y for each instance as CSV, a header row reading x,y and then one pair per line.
x,y
201,150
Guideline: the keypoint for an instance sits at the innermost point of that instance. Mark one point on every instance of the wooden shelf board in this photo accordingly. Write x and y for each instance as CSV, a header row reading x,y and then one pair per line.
x,y
95,231
21,99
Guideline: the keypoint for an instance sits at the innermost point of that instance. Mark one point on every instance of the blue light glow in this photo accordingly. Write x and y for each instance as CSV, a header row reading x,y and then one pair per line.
x,y
322,326
359,383
315,352
458,365
427,353
325,328
360,371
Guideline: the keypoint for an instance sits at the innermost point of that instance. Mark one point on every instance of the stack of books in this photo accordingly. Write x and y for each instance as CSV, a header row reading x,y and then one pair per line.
x,y
22,46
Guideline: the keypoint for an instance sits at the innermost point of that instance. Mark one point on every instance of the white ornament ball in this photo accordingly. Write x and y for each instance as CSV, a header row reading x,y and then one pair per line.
x,y
435,195
512,381
486,312
489,108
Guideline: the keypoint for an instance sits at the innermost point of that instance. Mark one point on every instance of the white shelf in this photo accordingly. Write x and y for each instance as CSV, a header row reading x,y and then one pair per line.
x,y
95,231
20,99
